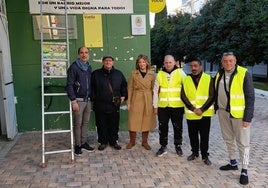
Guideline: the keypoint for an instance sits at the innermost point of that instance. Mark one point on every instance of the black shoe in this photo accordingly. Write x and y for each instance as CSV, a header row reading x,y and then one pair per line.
x,y
87,147
162,151
229,167
192,156
243,179
179,151
207,161
77,151
102,147
116,146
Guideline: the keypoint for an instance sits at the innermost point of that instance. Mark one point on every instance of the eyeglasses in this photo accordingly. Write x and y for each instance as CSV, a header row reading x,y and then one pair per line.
x,y
227,53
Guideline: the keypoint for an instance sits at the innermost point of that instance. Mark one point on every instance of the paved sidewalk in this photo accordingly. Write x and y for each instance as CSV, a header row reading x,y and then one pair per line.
x,y
20,166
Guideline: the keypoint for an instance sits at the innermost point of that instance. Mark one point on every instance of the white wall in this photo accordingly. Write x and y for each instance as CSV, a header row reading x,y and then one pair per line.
x,y
7,104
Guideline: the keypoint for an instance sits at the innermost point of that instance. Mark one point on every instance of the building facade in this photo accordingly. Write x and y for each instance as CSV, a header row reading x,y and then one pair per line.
x,y
25,59
191,6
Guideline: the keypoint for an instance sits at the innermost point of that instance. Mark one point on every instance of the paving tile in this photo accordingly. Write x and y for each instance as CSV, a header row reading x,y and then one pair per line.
x,y
20,164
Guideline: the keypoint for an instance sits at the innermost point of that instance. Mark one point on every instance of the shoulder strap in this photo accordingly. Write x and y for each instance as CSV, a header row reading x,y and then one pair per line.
x,y
110,86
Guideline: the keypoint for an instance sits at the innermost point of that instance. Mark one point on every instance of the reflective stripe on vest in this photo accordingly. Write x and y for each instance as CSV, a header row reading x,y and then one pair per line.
x,y
170,91
197,96
237,97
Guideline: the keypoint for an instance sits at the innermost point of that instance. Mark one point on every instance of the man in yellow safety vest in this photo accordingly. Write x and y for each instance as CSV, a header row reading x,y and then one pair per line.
x,y
235,104
198,96
168,105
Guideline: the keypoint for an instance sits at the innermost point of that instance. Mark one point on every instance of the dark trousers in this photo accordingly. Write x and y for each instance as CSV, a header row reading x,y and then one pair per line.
x,y
202,127
175,115
107,127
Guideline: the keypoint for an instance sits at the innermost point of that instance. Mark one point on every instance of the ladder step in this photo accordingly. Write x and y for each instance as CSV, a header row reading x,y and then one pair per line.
x,y
55,94
59,151
58,112
55,76
55,28
54,60
55,43
56,132
45,12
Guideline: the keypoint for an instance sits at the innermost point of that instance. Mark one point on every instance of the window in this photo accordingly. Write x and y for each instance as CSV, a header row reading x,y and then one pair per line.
x,y
51,23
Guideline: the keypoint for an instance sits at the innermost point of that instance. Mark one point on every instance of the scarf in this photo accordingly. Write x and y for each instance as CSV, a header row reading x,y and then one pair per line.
x,y
81,65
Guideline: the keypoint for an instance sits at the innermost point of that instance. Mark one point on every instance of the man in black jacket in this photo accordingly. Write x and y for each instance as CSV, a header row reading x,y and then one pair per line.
x,y
79,90
108,86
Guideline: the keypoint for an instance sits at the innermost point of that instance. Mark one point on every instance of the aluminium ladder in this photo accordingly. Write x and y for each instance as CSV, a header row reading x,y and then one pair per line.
x,y
47,78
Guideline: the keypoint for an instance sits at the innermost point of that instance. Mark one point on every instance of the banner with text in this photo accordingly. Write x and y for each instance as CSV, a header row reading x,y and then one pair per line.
x,y
82,6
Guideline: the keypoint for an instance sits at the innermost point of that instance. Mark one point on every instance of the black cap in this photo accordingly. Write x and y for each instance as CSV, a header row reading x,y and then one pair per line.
x,y
107,56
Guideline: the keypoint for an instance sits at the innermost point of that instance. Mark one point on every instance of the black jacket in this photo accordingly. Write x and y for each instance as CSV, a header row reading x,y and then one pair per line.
x,y
101,93
78,82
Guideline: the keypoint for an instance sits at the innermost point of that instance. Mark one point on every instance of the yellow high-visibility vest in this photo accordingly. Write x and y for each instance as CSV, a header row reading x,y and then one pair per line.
x,y
197,96
170,91
237,97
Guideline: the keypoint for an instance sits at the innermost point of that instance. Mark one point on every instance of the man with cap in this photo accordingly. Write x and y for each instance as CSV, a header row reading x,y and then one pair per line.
x,y
109,90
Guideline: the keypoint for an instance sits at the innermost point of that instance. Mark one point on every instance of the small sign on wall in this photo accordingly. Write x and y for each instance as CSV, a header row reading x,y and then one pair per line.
x,y
138,24
93,30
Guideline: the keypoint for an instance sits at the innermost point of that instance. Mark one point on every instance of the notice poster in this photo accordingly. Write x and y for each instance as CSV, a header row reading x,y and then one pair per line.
x,y
138,24
54,51
54,59
51,68
93,30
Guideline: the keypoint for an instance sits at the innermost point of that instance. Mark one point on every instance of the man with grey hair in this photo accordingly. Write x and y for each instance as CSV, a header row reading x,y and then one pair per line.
x,y
235,103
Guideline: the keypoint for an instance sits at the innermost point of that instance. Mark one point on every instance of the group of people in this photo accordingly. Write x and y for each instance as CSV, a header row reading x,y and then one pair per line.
x,y
104,87
169,95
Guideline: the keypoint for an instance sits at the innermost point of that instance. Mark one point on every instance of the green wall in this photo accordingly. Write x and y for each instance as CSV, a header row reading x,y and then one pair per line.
x,y
25,57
